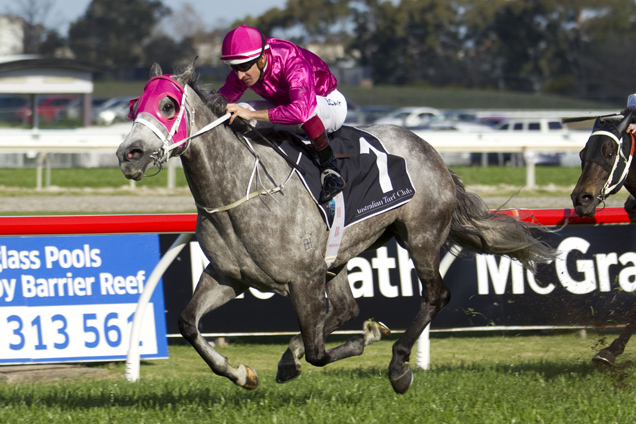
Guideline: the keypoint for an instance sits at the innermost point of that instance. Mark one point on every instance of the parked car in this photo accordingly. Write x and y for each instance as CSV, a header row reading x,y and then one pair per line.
x,y
456,120
544,125
528,125
47,108
409,117
74,110
111,111
370,114
9,105
365,115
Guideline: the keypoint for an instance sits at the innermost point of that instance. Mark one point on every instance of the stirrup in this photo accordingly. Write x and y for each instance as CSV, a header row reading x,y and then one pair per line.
x,y
332,184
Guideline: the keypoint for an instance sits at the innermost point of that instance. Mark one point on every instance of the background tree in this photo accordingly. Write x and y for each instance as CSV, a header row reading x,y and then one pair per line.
x,y
169,53
34,13
113,31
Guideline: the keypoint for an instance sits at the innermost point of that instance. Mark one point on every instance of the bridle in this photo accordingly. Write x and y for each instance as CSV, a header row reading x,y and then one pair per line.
x,y
619,169
178,133
173,132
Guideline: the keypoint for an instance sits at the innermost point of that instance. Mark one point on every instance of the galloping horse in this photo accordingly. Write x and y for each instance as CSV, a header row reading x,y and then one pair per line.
x,y
276,241
607,166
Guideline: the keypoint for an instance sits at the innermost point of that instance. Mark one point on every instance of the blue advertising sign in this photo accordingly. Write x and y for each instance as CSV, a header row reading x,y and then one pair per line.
x,y
72,298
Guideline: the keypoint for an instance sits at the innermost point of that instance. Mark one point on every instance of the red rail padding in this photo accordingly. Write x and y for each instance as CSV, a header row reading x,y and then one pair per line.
x,y
562,216
186,223
97,224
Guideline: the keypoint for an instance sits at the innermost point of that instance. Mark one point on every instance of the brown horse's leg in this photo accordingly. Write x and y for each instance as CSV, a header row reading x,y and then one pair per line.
x,y
608,355
208,296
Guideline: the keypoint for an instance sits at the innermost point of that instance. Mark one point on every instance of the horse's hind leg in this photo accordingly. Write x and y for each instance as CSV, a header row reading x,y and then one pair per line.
x,y
208,296
608,355
435,296
341,309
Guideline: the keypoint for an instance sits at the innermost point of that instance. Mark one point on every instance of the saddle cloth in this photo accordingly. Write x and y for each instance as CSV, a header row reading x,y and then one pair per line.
x,y
376,180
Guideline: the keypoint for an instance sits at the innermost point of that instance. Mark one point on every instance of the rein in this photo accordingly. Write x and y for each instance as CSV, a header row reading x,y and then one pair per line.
x,y
162,155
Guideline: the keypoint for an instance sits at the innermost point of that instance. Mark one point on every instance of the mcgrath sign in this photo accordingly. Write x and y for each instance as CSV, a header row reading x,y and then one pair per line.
x,y
67,299
592,283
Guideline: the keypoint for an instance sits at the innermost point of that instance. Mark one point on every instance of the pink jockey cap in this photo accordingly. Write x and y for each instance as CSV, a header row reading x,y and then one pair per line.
x,y
156,89
242,44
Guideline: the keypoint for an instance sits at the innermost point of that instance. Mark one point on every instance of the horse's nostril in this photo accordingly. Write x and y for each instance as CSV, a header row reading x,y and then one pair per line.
x,y
134,154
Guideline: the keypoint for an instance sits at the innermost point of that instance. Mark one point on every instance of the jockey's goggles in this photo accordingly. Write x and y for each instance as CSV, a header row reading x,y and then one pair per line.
x,y
244,67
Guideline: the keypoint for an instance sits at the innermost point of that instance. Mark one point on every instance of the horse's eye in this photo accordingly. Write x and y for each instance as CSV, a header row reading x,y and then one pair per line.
x,y
168,107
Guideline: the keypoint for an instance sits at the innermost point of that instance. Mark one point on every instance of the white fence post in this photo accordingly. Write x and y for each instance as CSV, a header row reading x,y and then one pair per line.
x,y
423,355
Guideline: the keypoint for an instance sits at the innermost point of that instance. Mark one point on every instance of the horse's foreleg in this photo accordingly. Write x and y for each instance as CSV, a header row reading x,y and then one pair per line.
x,y
608,355
342,308
208,296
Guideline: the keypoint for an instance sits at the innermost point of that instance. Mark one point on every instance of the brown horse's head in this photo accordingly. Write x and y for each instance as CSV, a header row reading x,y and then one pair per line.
x,y
605,160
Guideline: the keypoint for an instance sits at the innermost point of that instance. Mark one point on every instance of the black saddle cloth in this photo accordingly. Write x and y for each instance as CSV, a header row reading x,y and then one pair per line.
x,y
376,180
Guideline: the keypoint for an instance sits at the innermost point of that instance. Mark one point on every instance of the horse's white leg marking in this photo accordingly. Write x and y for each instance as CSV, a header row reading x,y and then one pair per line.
x,y
208,296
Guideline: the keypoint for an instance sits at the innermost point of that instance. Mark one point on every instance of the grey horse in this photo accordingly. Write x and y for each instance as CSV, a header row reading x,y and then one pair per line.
x,y
263,242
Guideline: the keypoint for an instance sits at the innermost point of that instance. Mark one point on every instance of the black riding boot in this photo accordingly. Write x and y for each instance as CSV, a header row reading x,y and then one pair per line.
x,y
332,182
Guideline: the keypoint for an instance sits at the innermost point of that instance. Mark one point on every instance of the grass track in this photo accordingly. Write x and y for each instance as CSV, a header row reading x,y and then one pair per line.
x,y
101,178
525,378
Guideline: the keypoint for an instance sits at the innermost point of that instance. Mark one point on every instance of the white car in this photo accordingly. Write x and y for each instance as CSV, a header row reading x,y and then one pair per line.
x,y
111,111
409,117
539,126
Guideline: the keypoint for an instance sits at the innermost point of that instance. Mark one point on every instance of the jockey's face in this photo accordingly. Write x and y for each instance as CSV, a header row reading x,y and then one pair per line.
x,y
253,74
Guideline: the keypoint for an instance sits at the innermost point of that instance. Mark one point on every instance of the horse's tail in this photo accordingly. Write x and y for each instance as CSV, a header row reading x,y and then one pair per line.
x,y
475,228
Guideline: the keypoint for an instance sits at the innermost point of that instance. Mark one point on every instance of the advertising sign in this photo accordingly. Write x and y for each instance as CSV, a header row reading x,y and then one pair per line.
x,y
67,299
592,283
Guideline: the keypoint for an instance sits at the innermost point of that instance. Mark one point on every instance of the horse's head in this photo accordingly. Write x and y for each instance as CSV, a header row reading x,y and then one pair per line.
x,y
605,163
159,121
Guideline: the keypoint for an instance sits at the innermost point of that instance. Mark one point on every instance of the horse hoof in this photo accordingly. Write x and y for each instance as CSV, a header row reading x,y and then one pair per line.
x,y
384,330
374,331
402,384
287,374
251,379
604,358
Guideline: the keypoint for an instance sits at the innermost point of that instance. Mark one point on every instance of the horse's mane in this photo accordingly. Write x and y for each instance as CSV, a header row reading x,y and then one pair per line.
x,y
214,101
607,125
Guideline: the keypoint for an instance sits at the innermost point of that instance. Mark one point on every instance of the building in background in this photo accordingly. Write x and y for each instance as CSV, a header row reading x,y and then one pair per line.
x,y
11,35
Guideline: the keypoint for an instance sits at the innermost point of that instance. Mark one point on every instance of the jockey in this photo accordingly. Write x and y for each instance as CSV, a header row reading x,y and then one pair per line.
x,y
298,88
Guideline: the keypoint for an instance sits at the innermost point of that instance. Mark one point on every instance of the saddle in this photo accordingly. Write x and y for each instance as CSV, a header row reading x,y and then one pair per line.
x,y
376,180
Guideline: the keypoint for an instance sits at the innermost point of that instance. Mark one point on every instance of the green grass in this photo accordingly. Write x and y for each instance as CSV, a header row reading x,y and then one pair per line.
x,y
93,178
516,177
399,96
526,378
98,178
444,98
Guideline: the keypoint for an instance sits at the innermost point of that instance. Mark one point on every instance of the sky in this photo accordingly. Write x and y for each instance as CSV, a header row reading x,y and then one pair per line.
x,y
213,13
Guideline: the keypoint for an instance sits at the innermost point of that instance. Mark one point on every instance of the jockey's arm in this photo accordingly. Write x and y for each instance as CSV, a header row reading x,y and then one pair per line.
x,y
249,115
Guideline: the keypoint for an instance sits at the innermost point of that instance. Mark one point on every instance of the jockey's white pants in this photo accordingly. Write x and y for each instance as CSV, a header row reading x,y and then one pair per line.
x,y
331,109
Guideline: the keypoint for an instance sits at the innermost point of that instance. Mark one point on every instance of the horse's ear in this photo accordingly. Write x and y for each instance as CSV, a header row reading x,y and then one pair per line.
x,y
186,75
155,70
622,126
